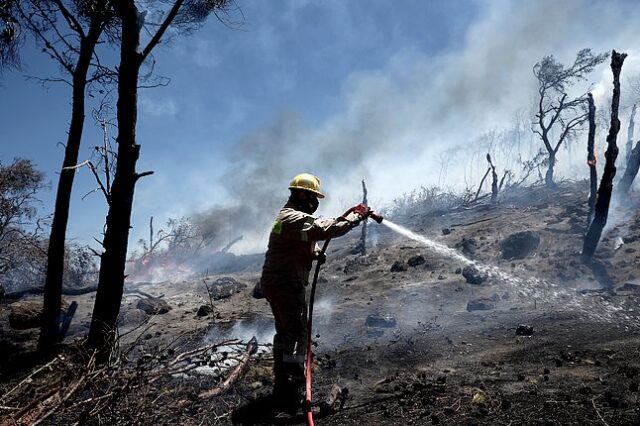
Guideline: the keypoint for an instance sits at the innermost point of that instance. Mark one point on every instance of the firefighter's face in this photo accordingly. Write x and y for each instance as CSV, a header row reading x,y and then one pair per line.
x,y
308,202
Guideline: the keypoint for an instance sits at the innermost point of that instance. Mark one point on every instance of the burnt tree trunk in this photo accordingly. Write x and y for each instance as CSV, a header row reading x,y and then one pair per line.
x,y
494,180
116,237
115,242
591,158
363,235
633,158
606,184
630,131
631,171
548,177
50,327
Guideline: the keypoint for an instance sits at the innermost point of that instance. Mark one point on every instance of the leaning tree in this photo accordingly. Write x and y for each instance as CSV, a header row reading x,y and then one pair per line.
x,y
558,114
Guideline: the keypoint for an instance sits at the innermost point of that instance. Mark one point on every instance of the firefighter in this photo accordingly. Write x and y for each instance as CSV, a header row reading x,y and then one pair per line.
x,y
292,248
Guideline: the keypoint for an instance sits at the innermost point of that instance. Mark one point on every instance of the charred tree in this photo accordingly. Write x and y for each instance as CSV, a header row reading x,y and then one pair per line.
x,y
630,131
631,171
556,111
591,158
633,157
99,18
115,241
606,185
494,180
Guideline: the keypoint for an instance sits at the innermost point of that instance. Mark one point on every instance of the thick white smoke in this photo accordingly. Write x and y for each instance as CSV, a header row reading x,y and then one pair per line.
x,y
393,122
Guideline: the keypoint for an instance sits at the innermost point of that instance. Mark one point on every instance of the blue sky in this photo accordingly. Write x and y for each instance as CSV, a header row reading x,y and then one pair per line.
x,y
345,89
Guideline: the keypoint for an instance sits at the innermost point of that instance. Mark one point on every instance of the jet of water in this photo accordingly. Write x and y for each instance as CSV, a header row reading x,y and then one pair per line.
x,y
530,288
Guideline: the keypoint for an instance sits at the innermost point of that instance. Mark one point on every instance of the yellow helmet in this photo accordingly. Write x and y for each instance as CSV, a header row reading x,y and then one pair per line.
x,y
307,182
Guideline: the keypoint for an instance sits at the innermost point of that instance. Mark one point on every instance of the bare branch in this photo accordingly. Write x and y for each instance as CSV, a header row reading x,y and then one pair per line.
x,y
71,20
163,28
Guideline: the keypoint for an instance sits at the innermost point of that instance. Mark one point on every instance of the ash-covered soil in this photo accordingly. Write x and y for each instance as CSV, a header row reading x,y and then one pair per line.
x,y
410,340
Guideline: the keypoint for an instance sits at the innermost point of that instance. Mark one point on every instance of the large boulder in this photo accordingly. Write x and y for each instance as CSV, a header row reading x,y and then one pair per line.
x,y
519,245
224,287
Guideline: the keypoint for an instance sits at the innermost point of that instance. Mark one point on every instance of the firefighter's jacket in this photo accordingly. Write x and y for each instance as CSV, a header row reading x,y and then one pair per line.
x,y
292,244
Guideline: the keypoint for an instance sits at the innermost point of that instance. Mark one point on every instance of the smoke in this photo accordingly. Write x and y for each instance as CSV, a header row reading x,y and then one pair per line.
x,y
391,123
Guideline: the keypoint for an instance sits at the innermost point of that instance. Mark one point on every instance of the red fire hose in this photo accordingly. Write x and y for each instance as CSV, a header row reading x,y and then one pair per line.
x,y
307,395
364,212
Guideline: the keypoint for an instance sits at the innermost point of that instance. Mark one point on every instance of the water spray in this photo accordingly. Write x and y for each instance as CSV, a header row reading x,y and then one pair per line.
x,y
532,288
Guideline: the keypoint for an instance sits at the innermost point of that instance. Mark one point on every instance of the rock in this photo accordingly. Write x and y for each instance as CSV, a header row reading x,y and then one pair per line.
x,y
524,330
398,266
334,401
131,317
378,320
153,306
224,287
416,260
473,275
204,310
446,231
375,333
480,305
479,398
467,246
27,314
519,245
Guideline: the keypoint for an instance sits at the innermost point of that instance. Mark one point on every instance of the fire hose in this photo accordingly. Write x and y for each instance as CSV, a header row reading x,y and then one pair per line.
x,y
364,212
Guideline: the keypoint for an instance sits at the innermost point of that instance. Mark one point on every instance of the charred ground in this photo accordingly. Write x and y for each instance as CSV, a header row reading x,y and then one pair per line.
x,y
428,355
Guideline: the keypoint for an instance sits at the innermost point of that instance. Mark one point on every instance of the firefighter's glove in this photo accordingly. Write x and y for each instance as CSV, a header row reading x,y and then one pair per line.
x,y
362,210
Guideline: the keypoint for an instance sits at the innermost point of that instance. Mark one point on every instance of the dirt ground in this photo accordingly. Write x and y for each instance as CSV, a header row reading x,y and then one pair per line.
x,y
434,360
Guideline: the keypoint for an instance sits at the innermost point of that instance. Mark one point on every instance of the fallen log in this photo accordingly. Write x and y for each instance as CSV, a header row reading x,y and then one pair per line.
x,y
252,348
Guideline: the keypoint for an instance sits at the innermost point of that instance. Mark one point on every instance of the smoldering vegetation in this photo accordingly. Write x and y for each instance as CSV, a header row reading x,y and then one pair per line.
x,y
474,305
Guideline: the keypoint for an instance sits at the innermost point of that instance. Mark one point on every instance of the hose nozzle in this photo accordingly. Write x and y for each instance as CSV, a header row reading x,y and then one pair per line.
x,y
375,216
